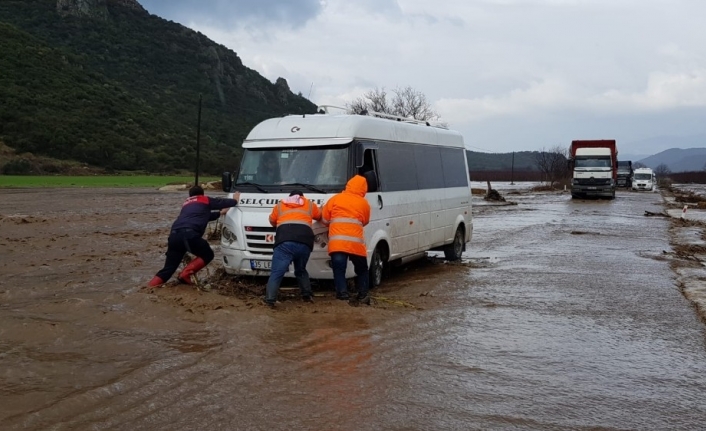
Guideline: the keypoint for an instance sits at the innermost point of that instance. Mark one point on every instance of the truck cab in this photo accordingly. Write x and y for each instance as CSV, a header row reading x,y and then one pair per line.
x,y
625,173
594,168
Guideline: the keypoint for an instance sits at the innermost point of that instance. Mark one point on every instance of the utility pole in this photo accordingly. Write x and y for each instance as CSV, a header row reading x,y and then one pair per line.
x,y
512,171
198,143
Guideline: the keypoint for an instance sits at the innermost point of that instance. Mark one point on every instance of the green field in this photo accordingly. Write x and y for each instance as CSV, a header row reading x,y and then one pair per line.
x,y
97,181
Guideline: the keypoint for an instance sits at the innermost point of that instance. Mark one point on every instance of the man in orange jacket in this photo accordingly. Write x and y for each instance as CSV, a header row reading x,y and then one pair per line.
x,y
346,214
294,241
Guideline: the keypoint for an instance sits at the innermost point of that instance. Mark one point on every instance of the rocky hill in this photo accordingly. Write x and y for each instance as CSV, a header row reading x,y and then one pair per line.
x,y
104,82
94,8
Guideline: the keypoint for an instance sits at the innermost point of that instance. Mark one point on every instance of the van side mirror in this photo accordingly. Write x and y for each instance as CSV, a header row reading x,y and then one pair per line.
x,y
372,180
226,182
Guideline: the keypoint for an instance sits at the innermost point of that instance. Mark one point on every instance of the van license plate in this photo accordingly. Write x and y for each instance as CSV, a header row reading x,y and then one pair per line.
x,y
592,188
260,264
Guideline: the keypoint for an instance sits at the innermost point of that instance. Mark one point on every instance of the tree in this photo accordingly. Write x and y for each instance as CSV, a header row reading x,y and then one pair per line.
x,y
662,170
552,163
406,102
638,165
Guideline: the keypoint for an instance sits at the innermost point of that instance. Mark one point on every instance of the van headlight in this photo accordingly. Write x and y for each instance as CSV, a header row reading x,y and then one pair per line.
x,y
227,236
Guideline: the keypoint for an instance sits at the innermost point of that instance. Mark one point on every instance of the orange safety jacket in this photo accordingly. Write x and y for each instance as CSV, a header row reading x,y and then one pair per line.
x,y
293,217
346,214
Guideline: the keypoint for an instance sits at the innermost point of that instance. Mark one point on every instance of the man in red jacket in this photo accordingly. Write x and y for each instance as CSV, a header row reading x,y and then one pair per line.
x,y
187,235
346,214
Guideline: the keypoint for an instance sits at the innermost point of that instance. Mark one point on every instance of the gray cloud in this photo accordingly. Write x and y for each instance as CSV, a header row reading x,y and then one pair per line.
x,y
508,74
221,13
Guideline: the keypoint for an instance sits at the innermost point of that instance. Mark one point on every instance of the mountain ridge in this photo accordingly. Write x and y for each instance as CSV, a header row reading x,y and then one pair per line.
x,y
678,159
121,91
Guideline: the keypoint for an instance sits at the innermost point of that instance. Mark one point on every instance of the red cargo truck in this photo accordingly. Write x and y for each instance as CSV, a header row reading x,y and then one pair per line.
x,y
594,167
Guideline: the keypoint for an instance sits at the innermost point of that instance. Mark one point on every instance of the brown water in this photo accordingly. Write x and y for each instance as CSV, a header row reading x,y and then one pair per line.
x,y
565,315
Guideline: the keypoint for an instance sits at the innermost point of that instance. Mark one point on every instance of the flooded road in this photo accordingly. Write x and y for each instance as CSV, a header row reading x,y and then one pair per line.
x,y
565,315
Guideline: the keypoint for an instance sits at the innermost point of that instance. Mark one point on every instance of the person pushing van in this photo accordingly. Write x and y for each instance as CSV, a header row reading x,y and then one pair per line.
x,y
294,241
346,214
187,232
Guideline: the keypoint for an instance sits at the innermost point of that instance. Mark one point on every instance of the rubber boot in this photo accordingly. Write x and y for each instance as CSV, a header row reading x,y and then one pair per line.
x,y
156,281
191,269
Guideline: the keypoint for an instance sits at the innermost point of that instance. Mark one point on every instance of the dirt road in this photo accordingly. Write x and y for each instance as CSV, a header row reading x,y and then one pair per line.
x,y
564,315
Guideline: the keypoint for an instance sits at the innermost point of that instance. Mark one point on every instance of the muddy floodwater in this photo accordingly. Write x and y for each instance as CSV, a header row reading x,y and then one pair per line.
x,y
563,315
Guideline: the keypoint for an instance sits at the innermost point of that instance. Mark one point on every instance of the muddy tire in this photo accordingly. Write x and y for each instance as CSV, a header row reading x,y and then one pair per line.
x,y
377,263
454,250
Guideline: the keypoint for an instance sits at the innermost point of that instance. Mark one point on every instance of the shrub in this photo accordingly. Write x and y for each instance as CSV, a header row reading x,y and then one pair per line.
x,y
17,167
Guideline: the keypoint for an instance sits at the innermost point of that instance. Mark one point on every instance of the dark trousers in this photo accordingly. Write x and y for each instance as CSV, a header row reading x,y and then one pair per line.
x,y
339,263
285,253
180,241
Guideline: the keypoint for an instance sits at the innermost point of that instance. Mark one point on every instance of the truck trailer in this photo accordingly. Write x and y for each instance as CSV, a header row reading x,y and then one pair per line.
x,y
594,167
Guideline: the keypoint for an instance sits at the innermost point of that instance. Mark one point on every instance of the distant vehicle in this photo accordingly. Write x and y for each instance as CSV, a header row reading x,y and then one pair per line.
x,y
418,188
625,173
644,179
594,168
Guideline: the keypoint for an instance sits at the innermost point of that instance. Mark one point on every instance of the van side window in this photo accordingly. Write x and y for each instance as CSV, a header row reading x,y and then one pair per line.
x,y
454,168
397,167
429,168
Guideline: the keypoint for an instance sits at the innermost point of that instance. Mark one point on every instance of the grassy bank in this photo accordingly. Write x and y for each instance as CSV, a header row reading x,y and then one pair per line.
x,y
97,181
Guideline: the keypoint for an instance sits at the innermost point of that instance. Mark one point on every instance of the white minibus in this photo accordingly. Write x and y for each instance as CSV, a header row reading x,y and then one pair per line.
x,y
643,179
418,188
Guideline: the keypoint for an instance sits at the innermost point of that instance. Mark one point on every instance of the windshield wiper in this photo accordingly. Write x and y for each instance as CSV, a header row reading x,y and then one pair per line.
x,y
308,186
248,183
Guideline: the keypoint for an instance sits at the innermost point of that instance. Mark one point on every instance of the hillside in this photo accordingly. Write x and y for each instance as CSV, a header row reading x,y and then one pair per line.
x,y
524,161
678,160
659,144
105,83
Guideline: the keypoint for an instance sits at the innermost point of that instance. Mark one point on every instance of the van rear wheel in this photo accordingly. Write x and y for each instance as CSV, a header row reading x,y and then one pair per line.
x,y
454,250
376,266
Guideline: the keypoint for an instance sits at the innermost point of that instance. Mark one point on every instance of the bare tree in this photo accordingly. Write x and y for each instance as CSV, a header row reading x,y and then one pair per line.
x,y
662,170
552,163
406,102
638,165
411,103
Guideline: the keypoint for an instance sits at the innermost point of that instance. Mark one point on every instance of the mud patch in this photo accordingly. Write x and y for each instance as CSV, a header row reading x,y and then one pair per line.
x,y
689,251
403,288
580,232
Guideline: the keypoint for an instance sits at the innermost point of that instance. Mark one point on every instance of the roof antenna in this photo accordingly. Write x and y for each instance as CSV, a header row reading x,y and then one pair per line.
x,y
308,96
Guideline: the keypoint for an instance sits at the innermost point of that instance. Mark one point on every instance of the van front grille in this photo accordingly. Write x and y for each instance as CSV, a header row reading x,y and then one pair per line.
x,y
260,240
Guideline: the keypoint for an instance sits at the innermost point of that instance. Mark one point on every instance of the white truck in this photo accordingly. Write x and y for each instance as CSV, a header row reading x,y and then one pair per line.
x,y
643,179
594,167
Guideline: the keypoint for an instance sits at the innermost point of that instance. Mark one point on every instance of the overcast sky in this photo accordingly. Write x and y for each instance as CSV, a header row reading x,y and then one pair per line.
x,y
511,75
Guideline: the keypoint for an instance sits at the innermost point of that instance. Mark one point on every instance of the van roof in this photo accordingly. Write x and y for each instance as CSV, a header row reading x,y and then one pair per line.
x,y
325,129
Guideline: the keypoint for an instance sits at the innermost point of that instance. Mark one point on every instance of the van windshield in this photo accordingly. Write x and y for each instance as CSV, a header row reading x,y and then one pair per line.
x,y
282,169
643,176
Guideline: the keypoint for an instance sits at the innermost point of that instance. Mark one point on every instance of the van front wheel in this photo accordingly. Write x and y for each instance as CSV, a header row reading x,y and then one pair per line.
x,y
454,250
376,267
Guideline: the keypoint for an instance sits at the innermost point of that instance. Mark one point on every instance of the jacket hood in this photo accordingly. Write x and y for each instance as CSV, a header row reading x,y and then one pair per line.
x,y
357,185
293,201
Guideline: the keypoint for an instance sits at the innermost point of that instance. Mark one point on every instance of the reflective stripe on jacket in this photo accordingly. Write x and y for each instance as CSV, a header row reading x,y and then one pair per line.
x,y
293,217
346,214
